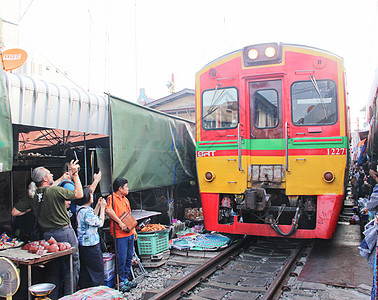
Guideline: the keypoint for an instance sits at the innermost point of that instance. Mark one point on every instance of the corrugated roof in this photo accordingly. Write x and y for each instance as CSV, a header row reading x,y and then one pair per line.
x,y
48,105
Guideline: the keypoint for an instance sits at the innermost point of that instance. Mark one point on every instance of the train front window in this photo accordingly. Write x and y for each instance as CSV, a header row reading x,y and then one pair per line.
x,y
265,108
310,108
220,108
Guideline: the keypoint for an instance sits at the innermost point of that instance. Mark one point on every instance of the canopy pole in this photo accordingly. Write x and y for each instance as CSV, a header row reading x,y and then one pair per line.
x,y
111,189
85,161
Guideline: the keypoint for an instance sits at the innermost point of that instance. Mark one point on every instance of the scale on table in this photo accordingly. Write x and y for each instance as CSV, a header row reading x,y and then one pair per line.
x,y
9,278
41,290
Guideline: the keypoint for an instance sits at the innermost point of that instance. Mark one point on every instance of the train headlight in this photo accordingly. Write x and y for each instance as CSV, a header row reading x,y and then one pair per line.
x,y
262,54
270,52
253,54
328,176
209,176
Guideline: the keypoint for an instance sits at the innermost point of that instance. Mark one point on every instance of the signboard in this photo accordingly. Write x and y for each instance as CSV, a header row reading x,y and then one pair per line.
x,y
13,58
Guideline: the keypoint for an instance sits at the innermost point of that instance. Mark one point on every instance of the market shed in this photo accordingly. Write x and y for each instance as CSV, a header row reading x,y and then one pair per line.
x,y
51,123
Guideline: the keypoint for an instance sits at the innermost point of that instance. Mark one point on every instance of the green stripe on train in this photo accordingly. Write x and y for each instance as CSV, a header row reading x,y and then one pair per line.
x,y
275,144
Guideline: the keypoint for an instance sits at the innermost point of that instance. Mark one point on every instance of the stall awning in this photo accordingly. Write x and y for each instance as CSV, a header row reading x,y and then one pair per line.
x,y
151,149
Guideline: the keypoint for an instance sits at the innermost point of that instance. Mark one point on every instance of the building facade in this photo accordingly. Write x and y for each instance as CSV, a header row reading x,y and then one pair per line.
x,y
180,104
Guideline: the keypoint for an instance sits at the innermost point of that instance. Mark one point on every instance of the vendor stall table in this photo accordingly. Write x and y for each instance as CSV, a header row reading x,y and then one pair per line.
x,y
143,214
19,256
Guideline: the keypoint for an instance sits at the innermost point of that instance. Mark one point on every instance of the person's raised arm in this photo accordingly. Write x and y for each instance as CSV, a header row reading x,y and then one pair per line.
x,y
96,180
97,207
75,177
102,206
65,176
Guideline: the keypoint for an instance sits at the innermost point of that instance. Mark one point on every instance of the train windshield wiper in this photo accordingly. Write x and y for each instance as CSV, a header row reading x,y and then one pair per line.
x,y
213,102
315,84
210,111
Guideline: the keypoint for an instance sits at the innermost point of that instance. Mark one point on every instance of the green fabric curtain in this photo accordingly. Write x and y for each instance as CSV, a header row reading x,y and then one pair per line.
x,y
150,149
6,136
103,161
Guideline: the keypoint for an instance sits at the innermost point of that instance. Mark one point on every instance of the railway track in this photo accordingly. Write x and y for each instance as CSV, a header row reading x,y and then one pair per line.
x,y
249,269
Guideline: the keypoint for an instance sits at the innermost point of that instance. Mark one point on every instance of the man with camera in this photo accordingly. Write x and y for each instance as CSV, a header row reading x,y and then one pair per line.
x,y
48,203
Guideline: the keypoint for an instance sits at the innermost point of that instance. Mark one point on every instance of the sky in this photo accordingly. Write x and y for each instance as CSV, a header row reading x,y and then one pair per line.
x,y
121,46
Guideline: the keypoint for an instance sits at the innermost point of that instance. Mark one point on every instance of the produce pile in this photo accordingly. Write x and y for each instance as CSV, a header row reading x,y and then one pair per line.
x,y
42,247
194,214
8,242
152,227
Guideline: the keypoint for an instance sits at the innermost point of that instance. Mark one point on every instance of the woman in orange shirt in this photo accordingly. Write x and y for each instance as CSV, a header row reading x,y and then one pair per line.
x,y
117,204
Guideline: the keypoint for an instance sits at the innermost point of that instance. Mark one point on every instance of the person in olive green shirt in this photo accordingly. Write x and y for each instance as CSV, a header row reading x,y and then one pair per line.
x,y
53,219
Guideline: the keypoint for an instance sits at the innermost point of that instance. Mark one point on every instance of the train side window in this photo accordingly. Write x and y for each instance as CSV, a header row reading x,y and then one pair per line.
x,y
265,107
220,108
308,108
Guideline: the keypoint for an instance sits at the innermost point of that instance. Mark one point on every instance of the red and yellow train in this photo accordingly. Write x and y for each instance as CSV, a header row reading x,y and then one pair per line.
x,y
272,141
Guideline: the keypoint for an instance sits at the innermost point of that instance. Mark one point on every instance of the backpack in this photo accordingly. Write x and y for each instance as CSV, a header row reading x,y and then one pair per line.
x,y
64,182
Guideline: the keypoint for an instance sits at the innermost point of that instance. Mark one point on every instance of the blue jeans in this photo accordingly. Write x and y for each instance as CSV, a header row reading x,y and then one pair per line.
x,y
125,250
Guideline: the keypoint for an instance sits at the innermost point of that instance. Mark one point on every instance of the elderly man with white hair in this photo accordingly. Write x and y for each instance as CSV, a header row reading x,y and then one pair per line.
x,y
53,218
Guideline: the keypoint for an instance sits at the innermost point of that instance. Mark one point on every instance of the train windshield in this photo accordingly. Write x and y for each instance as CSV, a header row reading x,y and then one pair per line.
x,y
220,108
314,102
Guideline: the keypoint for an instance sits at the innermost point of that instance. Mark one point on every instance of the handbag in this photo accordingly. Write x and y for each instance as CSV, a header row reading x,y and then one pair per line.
x,y
128,220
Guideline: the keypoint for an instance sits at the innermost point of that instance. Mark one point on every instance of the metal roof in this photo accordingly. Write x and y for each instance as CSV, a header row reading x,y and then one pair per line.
x,y
48,105
183,93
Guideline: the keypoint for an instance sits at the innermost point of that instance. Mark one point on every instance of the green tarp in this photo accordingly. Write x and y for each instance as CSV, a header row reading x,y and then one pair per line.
x,y
6,138
150,149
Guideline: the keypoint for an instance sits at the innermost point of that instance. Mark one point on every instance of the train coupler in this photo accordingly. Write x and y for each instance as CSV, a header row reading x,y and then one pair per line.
x,y
274,222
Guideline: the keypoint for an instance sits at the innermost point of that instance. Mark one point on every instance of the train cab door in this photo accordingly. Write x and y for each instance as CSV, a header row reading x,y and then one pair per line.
x,y
267,133
219,150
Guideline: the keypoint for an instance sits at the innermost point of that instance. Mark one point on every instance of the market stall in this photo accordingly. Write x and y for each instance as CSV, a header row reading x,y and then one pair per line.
x,y
21,256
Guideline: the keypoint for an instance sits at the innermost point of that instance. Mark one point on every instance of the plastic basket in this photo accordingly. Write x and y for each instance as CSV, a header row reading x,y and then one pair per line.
x,y
150,243
109,261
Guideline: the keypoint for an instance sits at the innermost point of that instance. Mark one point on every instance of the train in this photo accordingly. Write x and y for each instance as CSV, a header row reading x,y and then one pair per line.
x,y
272,141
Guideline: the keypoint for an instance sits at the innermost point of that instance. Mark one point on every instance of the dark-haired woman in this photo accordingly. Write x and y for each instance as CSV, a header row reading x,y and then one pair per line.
x,y
91,260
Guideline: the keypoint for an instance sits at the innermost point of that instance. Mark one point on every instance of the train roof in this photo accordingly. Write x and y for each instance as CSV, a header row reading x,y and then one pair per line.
x,y
283,44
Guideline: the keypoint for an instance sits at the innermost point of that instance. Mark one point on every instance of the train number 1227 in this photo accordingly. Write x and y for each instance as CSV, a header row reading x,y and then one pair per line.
x,y
336,151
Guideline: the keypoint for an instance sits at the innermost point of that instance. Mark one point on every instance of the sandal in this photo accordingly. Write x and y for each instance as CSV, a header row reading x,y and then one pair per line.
x,y
124,287
130,284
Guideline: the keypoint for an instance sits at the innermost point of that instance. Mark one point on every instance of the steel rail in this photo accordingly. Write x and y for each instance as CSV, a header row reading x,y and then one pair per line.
x,y
193,279
282,273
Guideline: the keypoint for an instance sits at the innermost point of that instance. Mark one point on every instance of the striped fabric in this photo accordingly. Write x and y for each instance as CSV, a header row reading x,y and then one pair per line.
x,y
98,292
